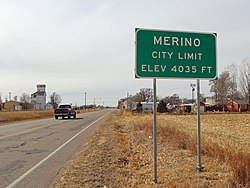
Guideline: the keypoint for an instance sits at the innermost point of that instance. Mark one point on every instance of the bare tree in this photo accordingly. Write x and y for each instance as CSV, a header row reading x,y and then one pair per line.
x,y
220,87
174,99
244,79
233,86
214,88
55,99
131,102
145,94
25,99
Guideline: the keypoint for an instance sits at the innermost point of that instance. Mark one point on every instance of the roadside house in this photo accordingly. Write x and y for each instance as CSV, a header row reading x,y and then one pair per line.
x,y
237,106
190,108
232,106
10,106
186,108
202,107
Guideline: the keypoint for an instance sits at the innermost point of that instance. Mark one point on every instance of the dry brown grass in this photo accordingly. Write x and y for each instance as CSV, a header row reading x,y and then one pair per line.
x,y
120,153
7,117
229,144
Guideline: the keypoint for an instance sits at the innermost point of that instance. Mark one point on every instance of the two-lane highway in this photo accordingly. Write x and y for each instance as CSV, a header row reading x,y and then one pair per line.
x,y
33,152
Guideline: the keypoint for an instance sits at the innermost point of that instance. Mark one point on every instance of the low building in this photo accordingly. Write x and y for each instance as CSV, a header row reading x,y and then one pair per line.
x,y
126,103
243,105
237,106
210,100
10,106
186,108
148,106
190,108
232,106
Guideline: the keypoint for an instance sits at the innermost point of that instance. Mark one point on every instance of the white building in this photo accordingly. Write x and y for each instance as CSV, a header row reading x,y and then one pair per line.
x,y
39,97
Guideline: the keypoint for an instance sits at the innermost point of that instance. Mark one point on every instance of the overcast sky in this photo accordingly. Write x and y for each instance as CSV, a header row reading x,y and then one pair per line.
x,y
78,46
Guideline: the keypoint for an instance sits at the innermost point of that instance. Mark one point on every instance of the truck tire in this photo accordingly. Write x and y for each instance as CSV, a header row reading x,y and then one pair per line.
x,y
56,117
75,116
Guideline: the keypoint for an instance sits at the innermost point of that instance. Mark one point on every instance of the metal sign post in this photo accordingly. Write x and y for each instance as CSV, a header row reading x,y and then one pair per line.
x,y
155,134
199,167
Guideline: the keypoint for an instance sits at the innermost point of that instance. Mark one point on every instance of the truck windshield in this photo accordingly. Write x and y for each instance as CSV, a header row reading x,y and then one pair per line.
x,y
64,106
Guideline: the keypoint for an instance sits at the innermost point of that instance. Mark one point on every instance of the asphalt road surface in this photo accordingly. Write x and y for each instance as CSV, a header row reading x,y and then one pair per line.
x,y
33,152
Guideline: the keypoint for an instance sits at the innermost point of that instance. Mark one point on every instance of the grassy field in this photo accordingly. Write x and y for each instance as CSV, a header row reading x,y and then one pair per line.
x,y
8,117
120,153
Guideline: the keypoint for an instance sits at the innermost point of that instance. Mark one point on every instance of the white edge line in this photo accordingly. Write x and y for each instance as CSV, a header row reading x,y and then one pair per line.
x,y
50,155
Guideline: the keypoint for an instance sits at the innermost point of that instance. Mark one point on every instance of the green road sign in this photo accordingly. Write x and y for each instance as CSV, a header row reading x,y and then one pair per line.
x,y
175,54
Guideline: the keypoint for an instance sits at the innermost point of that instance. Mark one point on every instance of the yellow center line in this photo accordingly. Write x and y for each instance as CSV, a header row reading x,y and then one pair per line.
x,y
27,131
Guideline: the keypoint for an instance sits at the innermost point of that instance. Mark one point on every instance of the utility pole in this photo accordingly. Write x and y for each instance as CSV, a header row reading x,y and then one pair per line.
x,y
248,91
0,101
192,91
9,96
85,101
100,99
127,100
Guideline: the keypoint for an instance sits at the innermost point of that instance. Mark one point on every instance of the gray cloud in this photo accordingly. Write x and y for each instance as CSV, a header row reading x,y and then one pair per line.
x,y
76,46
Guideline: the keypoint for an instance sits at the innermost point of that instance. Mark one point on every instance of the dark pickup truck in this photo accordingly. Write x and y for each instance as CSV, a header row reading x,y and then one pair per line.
x,y
65,111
